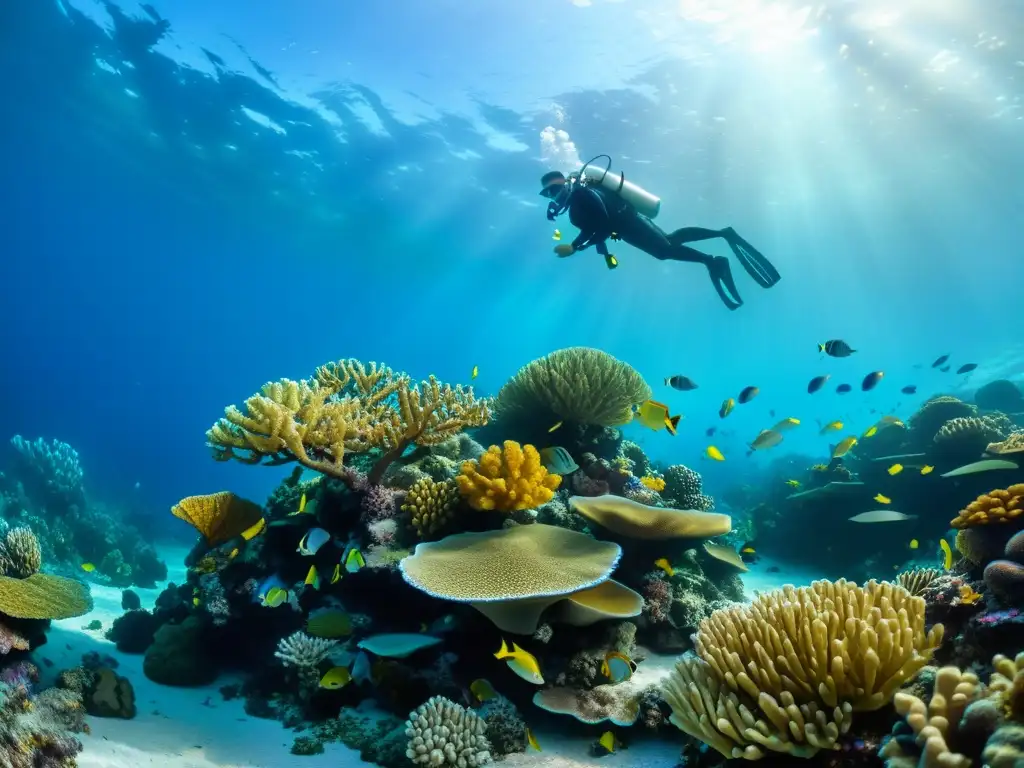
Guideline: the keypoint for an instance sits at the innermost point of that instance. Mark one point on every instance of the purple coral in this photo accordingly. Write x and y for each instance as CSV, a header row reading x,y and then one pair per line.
x,y
378,503
20,673
657,599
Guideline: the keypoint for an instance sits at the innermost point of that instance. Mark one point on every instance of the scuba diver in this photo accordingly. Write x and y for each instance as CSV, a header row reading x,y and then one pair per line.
x,y
603,206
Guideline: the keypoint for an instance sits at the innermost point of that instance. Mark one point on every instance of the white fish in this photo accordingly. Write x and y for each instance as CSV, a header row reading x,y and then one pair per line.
x,y
881,516
980,466
312,541
558,461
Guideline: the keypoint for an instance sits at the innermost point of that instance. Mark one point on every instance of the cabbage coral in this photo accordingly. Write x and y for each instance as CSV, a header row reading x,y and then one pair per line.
x,y
345,407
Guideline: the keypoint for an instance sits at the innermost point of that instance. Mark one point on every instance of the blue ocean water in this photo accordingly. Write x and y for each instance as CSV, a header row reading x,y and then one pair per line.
x,y
200,197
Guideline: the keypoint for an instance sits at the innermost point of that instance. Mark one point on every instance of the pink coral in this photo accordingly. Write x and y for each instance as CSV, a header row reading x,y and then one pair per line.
x,y
21,673
11,641
657,599
378,503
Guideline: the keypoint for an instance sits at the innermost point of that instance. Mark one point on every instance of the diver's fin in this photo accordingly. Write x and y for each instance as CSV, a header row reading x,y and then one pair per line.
x,y
725,286
758,267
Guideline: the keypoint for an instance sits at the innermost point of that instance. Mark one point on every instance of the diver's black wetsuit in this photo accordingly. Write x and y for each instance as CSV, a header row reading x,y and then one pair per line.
x,y
600,214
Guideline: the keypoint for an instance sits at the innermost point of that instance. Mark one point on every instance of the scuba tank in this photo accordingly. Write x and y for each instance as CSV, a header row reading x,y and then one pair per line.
x,y
645,203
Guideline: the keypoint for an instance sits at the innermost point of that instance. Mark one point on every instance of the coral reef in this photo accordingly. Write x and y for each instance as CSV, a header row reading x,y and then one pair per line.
x,y
37,730
53,469
998,506
218,516
20,555
179,655
431,505
965,438
443,733
43,596
930,417
1000,395
684,487
507,479
917,580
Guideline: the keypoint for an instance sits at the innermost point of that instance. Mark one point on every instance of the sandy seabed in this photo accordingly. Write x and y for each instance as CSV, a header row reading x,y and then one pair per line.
x,y
196,728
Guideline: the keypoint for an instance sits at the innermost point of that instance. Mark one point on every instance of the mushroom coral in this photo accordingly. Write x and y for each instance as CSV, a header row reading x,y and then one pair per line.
x,y
218,516
508,479
511,575
785,673
346,407
634,520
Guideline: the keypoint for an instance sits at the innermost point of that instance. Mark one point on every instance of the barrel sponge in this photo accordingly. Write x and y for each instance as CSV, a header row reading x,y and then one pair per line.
x,y
443,733
508,479
20,555
578,384
218,516
44,596
634,520
998,506
511,575
829,643
431,505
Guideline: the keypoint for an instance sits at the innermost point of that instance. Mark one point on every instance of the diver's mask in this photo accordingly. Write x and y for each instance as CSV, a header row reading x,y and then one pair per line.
x,y
558,194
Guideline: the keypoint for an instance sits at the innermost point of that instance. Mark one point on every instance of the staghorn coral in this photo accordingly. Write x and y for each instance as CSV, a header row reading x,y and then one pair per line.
x,y
346,407
785,673
20,555
43,596
218,516
684,486
301,651
578,384
507,479
431,505
511,575
917,580
935,412
443,733
998,506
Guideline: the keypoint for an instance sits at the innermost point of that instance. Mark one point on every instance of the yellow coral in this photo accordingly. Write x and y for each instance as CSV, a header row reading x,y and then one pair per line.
x,y
20,555
347,407
507,479
430,505
43,596
998,506
218,516
654,483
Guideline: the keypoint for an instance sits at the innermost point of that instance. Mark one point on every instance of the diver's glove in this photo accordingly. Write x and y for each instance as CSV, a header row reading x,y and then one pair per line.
x,y
564,249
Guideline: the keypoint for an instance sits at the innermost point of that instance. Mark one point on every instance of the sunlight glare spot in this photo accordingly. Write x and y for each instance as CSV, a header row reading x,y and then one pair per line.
x,y
764,26
261,119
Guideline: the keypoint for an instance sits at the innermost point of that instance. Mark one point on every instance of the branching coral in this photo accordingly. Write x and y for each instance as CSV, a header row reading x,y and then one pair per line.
x,y
443,733
218,516
301,651
430,505
346,407
507,479
579,384
785,673
998,506
20,555
52,466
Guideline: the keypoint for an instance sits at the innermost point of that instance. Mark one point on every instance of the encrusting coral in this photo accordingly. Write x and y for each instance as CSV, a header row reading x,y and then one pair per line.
x,y
785,673
511,575
430,505
579,384
998,506
443,733
507,479
218,516
20,555
346,407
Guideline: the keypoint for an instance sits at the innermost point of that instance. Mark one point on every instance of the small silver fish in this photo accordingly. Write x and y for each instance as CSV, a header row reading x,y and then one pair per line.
x,y
881,516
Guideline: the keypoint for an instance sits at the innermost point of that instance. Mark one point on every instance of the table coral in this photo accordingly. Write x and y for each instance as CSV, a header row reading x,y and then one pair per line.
x,y
785,673
579,384
507,479
20,555
44,596
346,407
626,517
998,506
218,516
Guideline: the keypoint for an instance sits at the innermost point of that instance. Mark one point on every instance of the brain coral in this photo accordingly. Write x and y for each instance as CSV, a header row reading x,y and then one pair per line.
x,y
930,417
511,575
442,732
507,479
579,384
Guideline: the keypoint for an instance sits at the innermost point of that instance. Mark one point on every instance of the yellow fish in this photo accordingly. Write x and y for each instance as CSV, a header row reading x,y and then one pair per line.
x,y
968,596
655,415
476,372
726,408
666,566
312,577
872,431
947,554
895,469
832,426
255,529
713,453
336,576
555,426
335,678
274,597
793,483
844,447
557,235
532,740
195,601
301,509
483,690
882,499
234,553
523,663
617,667
354,560
607,741
913,544
88,567
785,424
927,469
